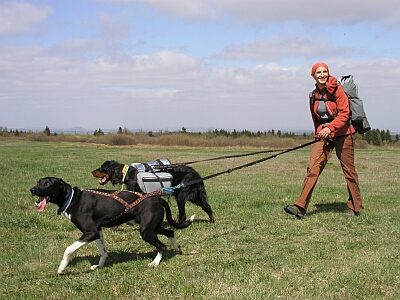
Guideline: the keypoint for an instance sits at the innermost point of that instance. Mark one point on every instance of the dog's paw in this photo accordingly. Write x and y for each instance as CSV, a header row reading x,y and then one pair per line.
x,y
153,264
94,267
156,261
60,272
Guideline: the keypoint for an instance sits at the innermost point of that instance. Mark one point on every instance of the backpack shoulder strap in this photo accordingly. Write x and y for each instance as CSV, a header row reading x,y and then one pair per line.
x,y
312,97
332,97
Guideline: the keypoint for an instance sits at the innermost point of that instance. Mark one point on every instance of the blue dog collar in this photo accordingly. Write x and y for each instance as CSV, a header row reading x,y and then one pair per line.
x,y
66,204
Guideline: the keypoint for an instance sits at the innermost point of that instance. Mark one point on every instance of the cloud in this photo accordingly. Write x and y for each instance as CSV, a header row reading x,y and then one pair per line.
x,y
17,18
313,11
114,27
169,89
261,11
279,47
194,10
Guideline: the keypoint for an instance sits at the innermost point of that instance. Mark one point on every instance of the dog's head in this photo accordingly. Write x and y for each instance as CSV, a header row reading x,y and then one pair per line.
x,y
110,170
50,189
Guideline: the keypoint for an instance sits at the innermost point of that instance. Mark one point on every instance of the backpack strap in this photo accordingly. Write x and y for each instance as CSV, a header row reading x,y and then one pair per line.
x,y
312,97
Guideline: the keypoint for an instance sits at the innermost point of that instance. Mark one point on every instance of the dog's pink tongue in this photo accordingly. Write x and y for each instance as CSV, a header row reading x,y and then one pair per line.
x,y
103,180
41,205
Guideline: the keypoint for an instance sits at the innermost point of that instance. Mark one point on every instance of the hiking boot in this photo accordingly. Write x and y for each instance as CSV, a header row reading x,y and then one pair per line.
x,y
295,210
350,213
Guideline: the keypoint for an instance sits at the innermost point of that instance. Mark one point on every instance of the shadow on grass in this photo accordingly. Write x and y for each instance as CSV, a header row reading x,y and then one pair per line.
x,y
328,207
117,257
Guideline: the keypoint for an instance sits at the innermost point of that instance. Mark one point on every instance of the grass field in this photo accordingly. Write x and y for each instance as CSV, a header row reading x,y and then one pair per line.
x,y
253,251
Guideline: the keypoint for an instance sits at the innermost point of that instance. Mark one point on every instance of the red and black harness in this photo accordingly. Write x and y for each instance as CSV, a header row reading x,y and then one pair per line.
x,y
128,206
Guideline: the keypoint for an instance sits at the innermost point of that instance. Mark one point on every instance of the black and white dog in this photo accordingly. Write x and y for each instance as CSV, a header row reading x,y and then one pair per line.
x,y
90,210
118,173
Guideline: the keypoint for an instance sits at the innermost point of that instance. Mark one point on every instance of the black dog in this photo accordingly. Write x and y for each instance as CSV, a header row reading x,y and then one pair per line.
x,y
118,173
89,210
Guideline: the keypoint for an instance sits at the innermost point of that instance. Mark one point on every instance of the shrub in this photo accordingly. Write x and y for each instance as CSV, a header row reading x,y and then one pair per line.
x,y
120,139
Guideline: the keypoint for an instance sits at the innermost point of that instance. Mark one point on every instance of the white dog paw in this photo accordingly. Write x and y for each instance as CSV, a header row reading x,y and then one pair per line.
x,y
94,267
153,264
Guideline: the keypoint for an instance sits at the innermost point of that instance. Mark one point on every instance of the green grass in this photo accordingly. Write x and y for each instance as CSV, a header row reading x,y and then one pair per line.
x,y
253,251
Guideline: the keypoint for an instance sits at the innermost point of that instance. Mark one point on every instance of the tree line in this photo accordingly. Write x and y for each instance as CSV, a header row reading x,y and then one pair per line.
x,y
374,137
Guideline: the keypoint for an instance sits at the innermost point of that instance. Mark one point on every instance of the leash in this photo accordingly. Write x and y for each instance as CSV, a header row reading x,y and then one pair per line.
x,y
211,159
128,206
185,184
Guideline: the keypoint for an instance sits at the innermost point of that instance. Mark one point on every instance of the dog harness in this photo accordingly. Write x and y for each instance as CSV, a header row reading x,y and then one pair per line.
x,y
128,206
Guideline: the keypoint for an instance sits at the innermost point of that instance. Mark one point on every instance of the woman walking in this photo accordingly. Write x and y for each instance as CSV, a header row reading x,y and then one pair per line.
x,y
332,128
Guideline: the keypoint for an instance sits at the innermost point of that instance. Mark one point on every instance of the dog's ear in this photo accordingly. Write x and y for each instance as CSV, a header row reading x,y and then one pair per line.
x,y
116,174
63,186
61,183
106,164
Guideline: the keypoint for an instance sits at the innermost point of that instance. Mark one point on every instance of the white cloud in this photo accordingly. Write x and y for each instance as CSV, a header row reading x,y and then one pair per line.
x,y
114,27
176,85
17,18
261,11
278,47
189,9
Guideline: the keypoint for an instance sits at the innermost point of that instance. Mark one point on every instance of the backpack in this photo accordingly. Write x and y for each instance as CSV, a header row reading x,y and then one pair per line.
x,y
357,115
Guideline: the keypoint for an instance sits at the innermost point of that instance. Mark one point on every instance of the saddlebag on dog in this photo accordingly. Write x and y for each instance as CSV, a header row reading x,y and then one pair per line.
x,y
150,178
150,182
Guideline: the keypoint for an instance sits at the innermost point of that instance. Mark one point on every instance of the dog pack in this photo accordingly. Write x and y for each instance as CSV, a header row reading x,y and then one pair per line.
x,y
151,178
357,115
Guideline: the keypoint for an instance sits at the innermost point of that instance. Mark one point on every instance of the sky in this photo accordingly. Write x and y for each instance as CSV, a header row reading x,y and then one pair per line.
x,y
209,64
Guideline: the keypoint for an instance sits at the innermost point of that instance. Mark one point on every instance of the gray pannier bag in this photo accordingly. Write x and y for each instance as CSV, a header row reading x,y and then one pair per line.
x,y
150,178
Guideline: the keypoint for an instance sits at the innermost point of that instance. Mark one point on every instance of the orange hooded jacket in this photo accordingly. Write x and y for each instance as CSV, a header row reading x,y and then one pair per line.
x,y
339,125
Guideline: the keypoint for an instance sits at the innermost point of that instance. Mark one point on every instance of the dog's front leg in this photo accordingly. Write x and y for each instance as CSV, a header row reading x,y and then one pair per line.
x,y
103,252
67,254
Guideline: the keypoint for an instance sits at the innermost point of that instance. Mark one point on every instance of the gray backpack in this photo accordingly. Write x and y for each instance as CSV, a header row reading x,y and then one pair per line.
x,y
357,115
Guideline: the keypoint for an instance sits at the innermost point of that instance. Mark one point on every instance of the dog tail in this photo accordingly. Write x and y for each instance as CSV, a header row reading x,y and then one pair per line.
x,y
171,221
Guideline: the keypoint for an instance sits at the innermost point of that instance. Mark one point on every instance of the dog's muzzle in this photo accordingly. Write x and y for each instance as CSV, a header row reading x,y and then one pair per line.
x,y
42,201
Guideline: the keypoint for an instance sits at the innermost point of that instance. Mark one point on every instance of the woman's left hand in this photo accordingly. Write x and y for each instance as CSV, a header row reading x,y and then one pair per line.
x,y
324,133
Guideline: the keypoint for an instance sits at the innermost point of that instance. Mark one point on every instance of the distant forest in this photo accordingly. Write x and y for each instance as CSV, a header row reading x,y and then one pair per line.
x,y
210,138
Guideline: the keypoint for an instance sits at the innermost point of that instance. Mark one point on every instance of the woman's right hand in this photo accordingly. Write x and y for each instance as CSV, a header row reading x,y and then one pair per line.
x,y
324,133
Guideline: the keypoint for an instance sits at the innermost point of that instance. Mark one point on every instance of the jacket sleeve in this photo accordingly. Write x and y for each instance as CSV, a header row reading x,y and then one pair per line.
x,y
343,110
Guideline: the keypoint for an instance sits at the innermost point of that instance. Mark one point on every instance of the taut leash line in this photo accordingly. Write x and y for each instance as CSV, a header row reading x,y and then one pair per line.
x,y
214,158
184,184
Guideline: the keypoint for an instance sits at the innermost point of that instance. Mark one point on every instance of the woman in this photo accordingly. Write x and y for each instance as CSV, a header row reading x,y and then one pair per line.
x,y
331,126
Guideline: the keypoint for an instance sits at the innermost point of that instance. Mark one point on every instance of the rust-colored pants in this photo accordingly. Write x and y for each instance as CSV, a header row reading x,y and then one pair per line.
x,y
320,154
